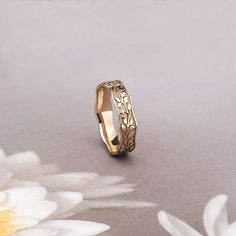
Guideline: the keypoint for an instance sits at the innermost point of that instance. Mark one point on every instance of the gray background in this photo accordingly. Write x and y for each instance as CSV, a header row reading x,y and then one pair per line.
x,y
177,59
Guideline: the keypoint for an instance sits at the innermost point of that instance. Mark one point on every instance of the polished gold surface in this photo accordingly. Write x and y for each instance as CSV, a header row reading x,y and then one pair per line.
x,y
122,139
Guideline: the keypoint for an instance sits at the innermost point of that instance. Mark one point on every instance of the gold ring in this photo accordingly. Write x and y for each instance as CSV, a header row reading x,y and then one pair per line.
x,y
109,94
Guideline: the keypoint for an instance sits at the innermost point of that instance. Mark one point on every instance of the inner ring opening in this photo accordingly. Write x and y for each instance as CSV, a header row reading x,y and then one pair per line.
x,y
105,109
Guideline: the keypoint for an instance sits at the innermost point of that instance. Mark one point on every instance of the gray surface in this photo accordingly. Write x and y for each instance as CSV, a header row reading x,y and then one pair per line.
x,y
177,58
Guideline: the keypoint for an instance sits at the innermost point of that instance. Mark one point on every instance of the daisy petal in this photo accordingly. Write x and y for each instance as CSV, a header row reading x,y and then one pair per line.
x,y
106,191
175,226
22,164
2,197
27,222
16,195
5,178
75,227
2,154
215,216
65,201
37,209
89,204
36,232
230,231
62,182
105,181
16,183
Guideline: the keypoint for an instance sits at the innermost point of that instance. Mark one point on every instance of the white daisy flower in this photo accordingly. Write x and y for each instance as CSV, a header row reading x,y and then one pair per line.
x,y
27,211
21,208
215,221
26,169
27,208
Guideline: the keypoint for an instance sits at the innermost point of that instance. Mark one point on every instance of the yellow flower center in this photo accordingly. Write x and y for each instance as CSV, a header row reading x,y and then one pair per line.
x,y
8,225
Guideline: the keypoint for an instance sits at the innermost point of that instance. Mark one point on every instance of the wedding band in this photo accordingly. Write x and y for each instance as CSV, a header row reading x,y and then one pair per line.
x,y
109,94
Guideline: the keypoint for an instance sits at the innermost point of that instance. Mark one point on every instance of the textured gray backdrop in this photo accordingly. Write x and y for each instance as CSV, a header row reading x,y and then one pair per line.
x,y
177,59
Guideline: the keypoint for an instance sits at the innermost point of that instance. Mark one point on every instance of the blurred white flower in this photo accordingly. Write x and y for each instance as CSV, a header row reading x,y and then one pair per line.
x,y
24,211
35,198
215,220
26,169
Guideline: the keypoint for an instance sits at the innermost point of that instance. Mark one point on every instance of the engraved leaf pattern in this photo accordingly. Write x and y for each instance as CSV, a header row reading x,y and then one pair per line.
x,y
128,123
